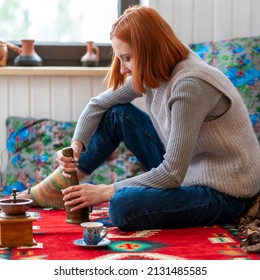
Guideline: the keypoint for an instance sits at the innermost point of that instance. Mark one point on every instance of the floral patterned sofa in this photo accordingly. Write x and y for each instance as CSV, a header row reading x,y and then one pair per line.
x,y
32,143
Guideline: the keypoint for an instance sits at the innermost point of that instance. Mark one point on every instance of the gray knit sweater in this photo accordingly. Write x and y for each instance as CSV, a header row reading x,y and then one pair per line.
x,y
207,142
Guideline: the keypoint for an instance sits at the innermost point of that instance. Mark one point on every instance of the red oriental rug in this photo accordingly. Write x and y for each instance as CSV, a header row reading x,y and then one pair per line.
x,y
55,241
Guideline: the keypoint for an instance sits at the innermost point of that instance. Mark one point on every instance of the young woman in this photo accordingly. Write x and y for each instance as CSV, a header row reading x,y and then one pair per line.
x,y
197,144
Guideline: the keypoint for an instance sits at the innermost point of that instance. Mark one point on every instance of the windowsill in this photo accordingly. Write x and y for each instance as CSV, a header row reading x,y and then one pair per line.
x,y
53,71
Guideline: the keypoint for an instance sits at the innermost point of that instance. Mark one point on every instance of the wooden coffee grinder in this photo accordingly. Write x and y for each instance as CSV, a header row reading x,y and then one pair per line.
x,y
81,215
15,223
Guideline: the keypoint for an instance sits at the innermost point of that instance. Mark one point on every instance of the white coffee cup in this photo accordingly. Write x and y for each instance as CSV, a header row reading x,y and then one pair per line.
x,y
93,232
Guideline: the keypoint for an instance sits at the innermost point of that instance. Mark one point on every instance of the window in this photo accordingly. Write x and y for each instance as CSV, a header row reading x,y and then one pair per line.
x,y
57,20
61,28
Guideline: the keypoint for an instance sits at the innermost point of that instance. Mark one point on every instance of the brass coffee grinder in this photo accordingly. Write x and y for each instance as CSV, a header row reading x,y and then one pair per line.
x,y
15,222
81,215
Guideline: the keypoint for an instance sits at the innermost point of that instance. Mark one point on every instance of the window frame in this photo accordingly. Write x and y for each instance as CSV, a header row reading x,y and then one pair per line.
x,y
69,54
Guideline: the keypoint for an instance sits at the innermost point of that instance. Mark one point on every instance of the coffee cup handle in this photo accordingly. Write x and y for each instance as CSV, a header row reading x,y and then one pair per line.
x,y
104,232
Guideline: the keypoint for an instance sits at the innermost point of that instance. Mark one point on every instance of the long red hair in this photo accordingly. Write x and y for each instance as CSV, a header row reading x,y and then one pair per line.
x,y
156,48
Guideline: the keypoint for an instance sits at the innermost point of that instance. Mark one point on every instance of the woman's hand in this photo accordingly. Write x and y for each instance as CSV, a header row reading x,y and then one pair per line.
x,y
84,195
69,164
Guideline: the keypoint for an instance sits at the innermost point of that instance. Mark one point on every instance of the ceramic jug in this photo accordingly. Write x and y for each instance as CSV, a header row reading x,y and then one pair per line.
x,y
28,55
91,57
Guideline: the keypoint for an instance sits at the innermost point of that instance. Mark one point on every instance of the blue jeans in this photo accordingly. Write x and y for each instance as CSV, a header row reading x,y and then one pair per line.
x,y
139,208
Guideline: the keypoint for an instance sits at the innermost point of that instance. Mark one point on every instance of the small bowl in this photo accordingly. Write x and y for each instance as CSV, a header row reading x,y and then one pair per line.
x,y
15,208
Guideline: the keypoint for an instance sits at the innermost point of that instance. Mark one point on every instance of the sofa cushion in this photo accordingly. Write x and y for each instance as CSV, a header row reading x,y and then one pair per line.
x,y
239,59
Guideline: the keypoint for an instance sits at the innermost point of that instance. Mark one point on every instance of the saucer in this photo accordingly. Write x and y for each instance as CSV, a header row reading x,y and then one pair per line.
x,y
102,243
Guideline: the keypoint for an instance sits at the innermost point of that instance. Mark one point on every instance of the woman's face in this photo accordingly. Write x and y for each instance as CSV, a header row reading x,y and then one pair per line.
x,y
124,53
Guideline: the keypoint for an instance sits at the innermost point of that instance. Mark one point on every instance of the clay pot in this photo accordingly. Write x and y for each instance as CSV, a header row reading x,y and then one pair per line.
x,y
3,54
28,55
91,57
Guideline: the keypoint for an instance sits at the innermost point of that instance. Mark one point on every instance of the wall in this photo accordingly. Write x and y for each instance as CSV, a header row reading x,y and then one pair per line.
x,y
207,20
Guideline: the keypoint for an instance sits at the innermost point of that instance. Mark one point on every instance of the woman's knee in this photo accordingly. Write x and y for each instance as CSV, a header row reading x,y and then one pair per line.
x,y
117,210
122,209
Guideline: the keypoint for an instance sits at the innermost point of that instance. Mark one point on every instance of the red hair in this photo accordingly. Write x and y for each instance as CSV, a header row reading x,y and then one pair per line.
x,y
156,48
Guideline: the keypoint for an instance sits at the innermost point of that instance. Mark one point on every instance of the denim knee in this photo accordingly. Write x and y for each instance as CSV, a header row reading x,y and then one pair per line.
x,y
117,211
124,208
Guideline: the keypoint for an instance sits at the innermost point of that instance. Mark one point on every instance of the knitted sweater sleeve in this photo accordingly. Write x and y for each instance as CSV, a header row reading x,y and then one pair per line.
x,y
188,107
95,109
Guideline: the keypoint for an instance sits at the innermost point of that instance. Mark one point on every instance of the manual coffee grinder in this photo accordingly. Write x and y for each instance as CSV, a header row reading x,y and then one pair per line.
x,y
15,222
81,215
